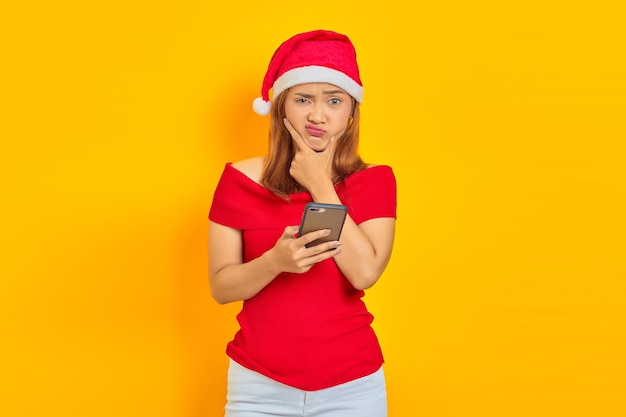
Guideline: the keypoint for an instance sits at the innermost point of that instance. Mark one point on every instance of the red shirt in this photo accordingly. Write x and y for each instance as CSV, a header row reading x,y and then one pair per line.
x,y
310,331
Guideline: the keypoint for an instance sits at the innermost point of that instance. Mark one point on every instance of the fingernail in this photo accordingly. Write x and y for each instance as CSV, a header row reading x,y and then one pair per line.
x,y
326,232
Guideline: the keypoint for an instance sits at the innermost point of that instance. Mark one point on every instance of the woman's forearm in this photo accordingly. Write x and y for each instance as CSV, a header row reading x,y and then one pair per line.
x,y
232,279
237,282
361,261
365,249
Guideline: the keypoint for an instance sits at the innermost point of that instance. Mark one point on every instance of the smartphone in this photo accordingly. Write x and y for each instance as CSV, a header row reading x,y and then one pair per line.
x,y
318,216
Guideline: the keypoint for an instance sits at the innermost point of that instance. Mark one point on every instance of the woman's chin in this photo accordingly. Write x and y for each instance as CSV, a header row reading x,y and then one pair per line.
x,y
317,144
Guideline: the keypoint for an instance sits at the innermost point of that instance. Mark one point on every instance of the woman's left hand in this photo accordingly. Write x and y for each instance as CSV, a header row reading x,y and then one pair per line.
x,y
309,168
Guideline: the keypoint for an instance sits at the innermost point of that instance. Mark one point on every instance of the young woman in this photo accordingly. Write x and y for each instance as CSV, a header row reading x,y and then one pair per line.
x,y
305,345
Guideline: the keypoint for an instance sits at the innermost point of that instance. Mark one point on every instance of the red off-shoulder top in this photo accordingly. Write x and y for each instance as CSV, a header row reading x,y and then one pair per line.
x,y
309,331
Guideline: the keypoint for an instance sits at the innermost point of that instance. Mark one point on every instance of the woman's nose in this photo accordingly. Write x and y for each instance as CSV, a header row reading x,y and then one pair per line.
x,y
316,115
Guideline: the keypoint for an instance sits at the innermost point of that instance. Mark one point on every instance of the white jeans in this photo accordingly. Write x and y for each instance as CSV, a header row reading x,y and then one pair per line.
x,y
251,394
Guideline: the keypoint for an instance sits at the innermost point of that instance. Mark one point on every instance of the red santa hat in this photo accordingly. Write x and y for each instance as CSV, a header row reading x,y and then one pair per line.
x,y
320,56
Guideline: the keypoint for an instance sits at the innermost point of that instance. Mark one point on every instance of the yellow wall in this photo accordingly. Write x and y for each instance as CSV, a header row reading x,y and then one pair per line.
x,y
504,122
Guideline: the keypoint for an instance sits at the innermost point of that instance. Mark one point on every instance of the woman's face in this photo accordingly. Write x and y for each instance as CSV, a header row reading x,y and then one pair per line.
x,y
318,111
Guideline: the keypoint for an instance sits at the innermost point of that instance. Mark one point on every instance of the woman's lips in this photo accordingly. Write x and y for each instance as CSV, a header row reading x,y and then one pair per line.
x,y
314,131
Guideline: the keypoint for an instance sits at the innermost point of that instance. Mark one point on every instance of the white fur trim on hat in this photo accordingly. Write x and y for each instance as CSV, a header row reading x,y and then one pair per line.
x,y
317,74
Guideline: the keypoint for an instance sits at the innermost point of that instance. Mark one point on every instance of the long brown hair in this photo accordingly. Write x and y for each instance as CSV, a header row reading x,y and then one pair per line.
x,y
281,151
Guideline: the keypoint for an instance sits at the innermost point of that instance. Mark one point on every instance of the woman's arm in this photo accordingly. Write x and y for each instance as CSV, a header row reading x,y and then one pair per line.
x,y
366,248
368,252
232,279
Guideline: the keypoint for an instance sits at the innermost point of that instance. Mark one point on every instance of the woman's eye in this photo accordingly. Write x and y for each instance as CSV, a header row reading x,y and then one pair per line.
x,y
334,101
302,100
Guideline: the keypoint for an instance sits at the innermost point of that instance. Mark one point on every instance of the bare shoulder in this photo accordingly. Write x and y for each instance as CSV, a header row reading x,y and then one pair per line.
x,y
251,167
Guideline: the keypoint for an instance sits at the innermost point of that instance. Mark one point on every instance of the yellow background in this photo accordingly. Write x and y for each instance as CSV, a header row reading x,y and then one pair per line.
x,y
504,122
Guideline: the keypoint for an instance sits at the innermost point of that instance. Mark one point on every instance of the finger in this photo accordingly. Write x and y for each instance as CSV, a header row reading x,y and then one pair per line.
x,y
324,247
291,232
295,136
325,255
311,236
332,145
292,130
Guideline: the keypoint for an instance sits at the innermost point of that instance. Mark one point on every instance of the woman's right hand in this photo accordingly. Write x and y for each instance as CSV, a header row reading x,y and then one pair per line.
x,y
290,253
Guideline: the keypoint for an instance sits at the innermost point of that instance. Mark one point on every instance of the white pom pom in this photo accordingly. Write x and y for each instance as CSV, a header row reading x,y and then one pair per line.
x,y
261,107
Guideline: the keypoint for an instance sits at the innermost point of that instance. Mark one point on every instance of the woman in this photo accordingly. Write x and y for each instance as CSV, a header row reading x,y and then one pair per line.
x,y
305,345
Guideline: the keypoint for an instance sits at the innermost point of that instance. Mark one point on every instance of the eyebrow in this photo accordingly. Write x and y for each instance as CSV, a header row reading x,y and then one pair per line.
x,y
334,92
328,92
